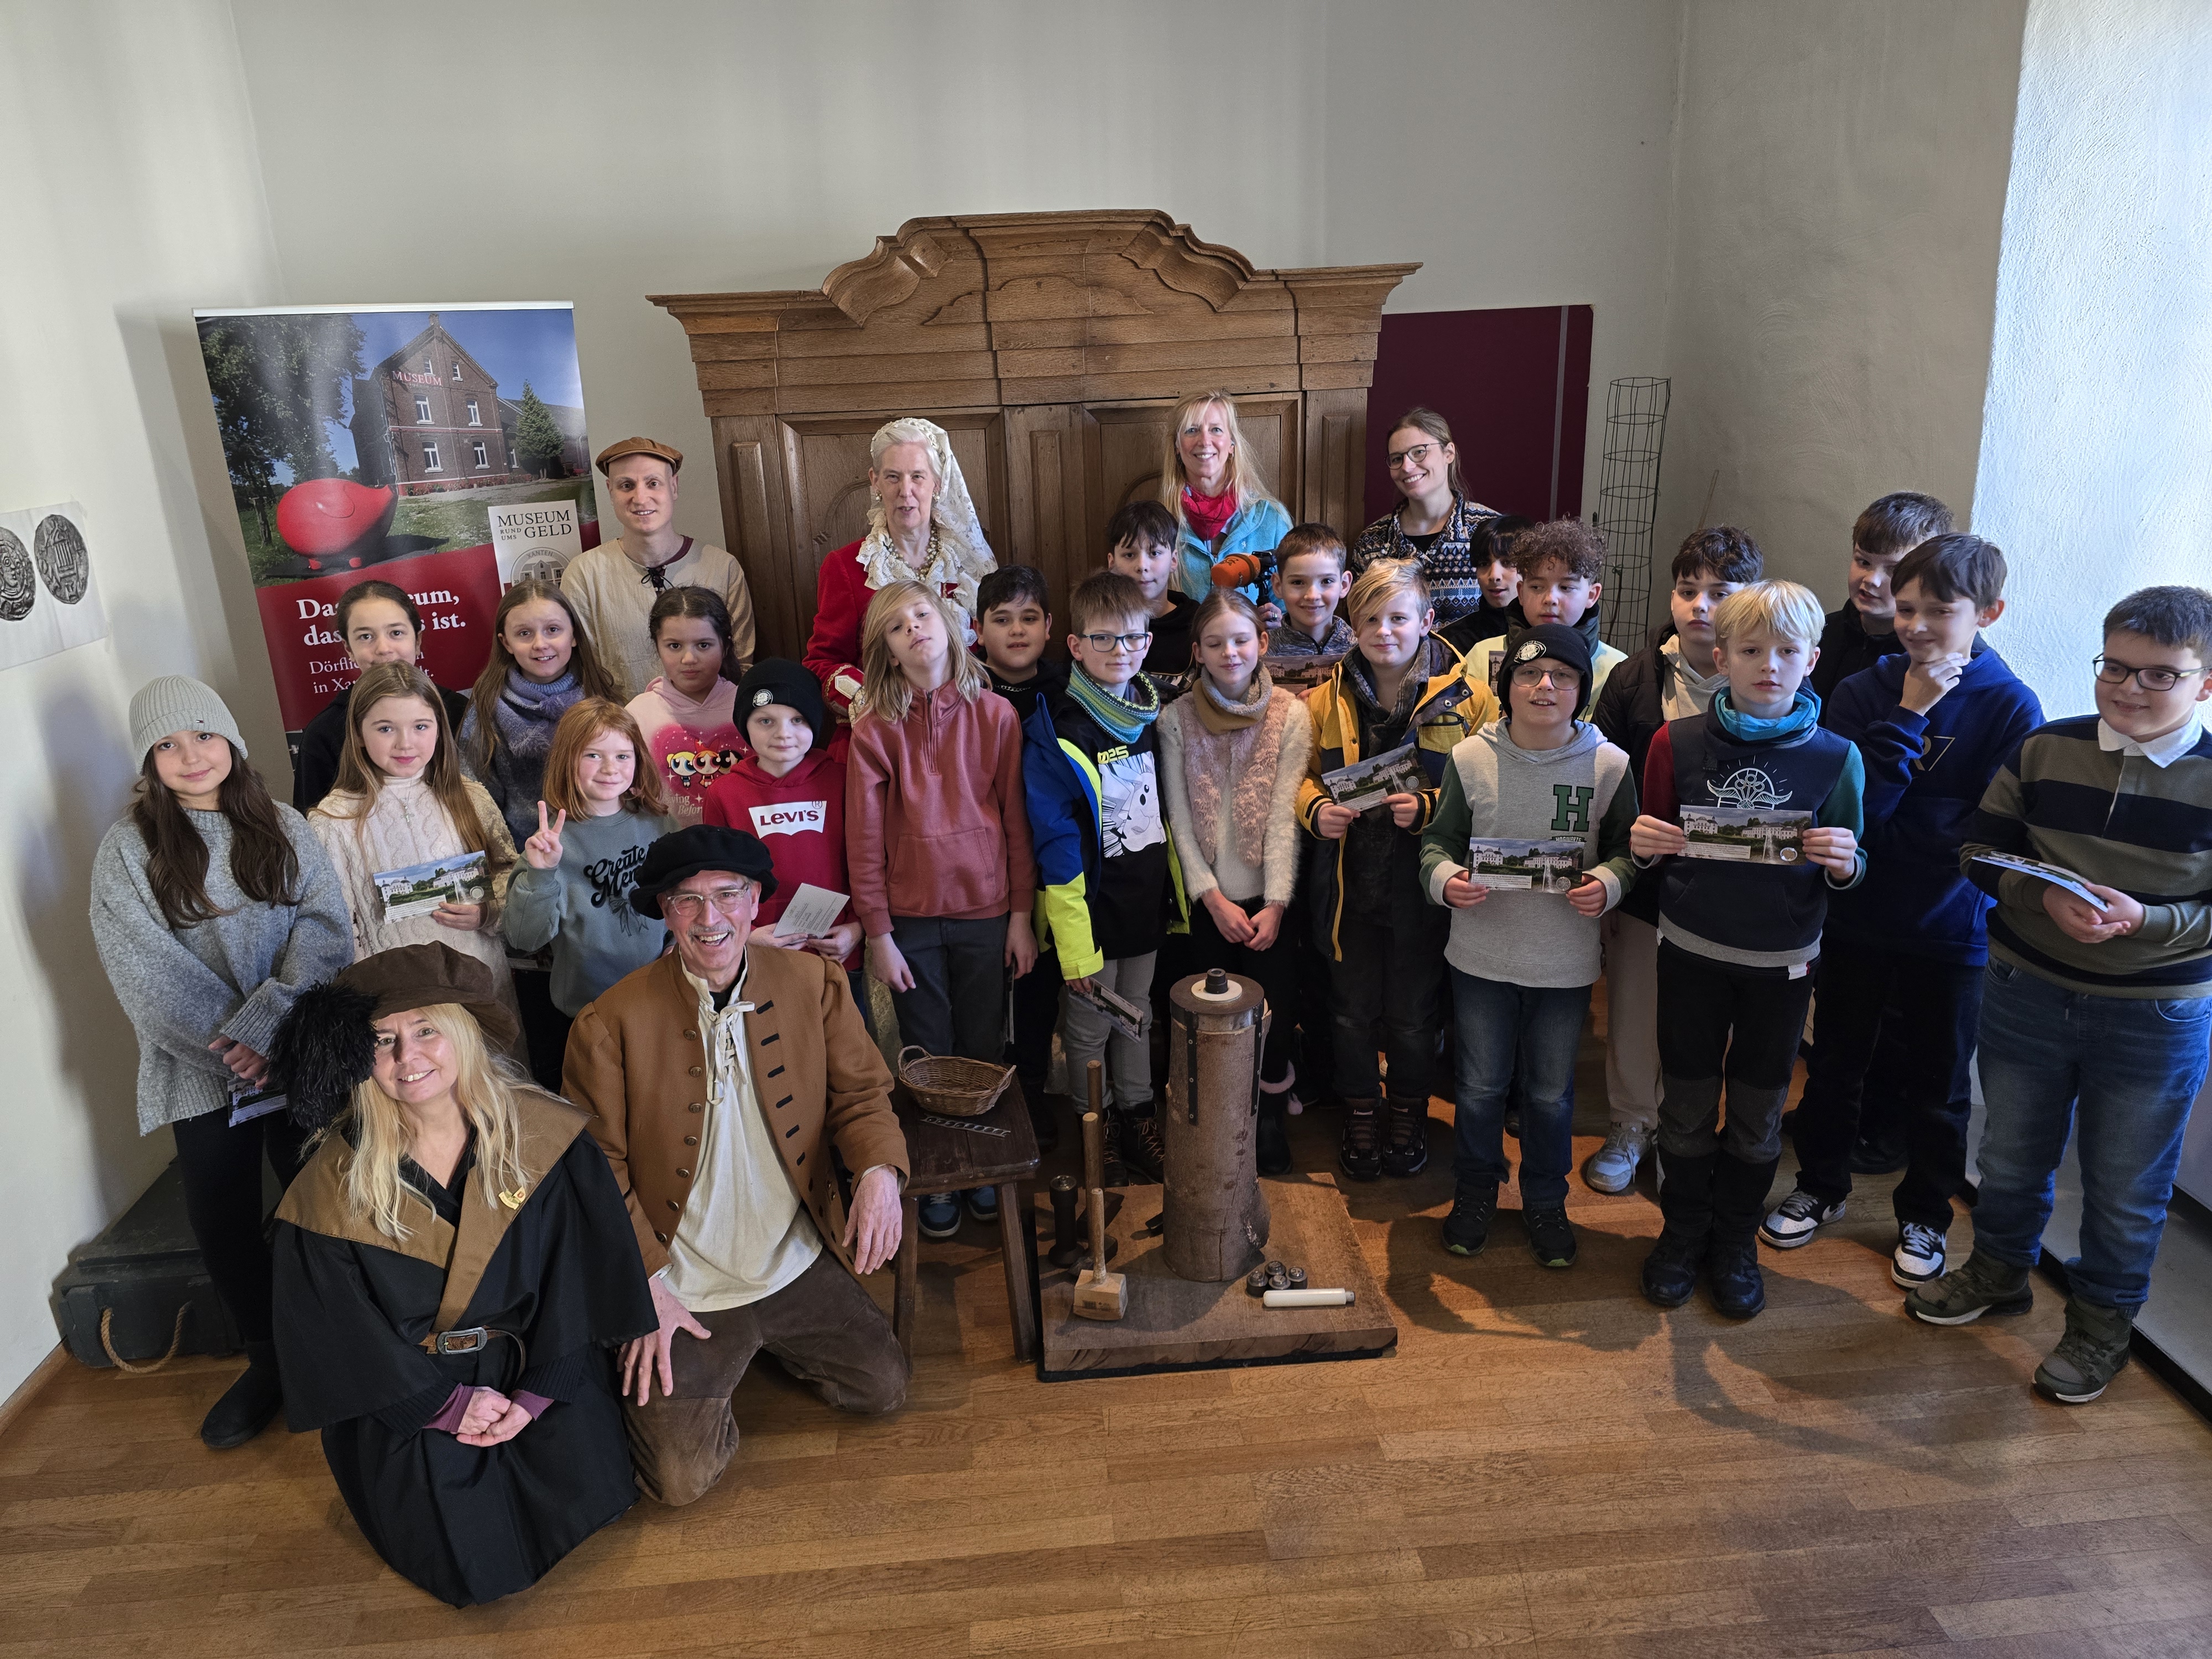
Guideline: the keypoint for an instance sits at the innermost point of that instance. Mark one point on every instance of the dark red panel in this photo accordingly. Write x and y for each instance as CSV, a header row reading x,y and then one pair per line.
x,y
1514,384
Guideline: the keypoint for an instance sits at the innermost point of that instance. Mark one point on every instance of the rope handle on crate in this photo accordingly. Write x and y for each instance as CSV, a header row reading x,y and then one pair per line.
x,y
176,1341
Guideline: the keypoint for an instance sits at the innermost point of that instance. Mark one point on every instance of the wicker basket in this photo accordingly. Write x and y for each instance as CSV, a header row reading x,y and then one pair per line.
x,y
950,1085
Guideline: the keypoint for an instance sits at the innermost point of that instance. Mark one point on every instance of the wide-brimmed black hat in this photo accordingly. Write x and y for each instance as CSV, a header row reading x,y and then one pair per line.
x,y
680,856
325,1047
1555,641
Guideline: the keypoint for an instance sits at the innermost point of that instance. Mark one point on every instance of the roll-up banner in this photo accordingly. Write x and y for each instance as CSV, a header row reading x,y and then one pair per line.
x,y
440,449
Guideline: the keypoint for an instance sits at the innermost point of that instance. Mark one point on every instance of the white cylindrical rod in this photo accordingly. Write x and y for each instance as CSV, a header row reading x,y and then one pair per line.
x,y
1307,1299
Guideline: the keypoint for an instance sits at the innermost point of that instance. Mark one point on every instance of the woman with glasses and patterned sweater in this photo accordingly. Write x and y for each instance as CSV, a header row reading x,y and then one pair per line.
x,y
1434,523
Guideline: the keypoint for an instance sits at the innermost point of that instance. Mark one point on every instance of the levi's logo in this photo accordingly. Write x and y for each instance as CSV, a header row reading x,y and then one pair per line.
x,y
789,818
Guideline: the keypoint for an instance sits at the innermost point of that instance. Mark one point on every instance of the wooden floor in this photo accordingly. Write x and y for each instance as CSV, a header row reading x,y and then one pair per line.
x,y
1547,1464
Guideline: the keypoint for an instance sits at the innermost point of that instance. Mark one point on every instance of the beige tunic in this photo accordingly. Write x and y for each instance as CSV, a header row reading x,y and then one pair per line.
x,y
614,598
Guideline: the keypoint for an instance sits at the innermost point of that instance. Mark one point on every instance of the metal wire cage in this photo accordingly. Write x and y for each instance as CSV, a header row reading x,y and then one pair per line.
x,y
1628,501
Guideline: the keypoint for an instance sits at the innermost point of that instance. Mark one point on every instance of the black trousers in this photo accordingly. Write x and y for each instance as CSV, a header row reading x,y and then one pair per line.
x,y
1719,1023
1276,969
1036,1014
544,1027
1935,1008
221,1171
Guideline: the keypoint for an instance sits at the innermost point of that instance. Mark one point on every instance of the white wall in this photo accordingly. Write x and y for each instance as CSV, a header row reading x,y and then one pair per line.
x,y
131,194
1835,232
694,146
2096,468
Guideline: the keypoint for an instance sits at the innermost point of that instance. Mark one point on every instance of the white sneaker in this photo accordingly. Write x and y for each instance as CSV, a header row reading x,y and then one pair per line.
x,y
1794,1220
1919,1256
1612,1167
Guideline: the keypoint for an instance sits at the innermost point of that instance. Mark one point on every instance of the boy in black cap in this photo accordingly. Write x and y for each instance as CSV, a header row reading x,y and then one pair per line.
x,y
789,791
1527,848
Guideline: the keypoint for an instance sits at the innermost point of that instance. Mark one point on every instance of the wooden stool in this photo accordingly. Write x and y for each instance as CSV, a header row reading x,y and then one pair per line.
x,y
951,1155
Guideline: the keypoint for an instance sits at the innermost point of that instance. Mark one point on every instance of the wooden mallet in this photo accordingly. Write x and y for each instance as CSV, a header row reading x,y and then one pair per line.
x,y
1101,1295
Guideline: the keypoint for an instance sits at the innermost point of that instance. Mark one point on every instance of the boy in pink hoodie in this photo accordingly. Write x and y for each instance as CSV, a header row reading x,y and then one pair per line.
x,y
789,790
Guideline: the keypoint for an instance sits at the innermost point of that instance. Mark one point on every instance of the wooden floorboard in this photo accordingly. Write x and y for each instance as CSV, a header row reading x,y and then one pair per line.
x,y
1547,1466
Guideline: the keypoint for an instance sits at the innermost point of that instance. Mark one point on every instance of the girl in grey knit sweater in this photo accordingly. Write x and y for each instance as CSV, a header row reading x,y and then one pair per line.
x,y
213,907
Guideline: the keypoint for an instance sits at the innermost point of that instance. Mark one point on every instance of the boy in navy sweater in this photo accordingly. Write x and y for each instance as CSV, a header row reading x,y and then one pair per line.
x,y
1932,727
1739,935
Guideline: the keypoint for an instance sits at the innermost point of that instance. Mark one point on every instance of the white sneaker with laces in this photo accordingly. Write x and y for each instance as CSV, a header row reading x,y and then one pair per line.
x,y
1918,1259
1612,1167
1794,1220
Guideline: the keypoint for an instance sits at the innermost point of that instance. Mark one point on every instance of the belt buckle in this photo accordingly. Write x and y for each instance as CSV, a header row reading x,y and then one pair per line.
x,y
470,1340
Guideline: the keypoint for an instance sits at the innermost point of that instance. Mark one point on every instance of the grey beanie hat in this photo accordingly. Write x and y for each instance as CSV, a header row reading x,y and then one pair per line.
x,y
176,703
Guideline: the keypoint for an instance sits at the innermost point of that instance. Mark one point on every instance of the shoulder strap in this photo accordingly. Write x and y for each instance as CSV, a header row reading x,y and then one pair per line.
x,y
548,1127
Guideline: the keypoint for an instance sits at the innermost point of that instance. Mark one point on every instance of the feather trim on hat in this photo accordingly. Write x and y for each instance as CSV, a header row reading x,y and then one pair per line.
x,y
325,1049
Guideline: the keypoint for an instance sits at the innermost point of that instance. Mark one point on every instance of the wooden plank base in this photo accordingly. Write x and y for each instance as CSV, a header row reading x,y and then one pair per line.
x,y
1177,1324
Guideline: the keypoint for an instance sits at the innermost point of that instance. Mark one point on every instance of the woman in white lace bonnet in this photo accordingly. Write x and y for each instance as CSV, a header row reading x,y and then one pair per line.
x,y
921,528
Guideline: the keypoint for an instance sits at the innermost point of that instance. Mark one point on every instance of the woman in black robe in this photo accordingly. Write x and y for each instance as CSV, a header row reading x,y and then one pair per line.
x,y
453,1271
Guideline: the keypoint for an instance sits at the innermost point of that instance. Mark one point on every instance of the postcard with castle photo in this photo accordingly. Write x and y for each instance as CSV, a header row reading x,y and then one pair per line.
x,y
1299,675
1539,866
1746,834
1369,783
417,889
441,450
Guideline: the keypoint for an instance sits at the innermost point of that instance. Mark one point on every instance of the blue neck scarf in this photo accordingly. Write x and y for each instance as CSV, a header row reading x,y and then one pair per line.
x,y
1126,716
1804,714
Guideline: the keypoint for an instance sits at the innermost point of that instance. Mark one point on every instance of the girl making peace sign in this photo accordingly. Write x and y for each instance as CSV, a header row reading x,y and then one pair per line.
x,y
602,809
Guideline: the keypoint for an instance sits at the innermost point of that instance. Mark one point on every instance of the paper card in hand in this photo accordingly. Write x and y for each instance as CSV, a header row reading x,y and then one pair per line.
x,y
417,889
1746,835
1299,675
812,912
1122,1014
1365,784
1542,866
2057,875
249,1101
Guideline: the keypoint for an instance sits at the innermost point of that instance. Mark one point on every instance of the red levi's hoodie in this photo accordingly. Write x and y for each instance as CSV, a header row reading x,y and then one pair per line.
x,y
799,817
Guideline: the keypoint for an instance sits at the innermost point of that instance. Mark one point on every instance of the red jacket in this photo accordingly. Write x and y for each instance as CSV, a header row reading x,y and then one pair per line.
x,y
799,817
936,822
841,604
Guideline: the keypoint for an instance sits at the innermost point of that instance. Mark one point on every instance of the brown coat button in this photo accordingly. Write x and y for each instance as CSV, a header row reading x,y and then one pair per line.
x,y
663,1237
695,1070
686,1174
690,1140
673,1205
698,1106
692,1036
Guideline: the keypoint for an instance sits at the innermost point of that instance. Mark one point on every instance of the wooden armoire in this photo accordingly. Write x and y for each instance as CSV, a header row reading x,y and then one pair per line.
x,y
1052,347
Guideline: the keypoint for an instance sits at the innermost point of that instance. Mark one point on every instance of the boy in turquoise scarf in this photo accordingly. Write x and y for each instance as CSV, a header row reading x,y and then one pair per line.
x,y
1106,870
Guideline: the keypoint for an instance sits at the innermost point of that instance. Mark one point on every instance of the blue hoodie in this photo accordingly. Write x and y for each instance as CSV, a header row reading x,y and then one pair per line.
x,y
1925,775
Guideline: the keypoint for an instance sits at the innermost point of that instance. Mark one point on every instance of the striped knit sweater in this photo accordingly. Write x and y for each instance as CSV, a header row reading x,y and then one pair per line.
x,y
2121,821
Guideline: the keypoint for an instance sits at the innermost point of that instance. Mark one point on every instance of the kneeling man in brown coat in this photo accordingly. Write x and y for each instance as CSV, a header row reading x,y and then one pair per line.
x,y
720,1078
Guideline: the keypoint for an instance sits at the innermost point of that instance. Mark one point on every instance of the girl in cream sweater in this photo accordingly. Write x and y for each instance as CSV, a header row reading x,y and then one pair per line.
x,y
1231,755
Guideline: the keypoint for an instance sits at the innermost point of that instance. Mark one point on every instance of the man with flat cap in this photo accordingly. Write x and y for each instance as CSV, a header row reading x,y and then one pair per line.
x,y
720,1079
613,586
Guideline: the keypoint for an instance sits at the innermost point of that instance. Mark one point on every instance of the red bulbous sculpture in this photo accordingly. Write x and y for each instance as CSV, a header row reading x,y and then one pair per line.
x,y
325,517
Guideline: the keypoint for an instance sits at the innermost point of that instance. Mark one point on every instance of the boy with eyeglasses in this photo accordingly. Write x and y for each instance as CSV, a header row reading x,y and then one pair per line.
x,y
2096,1016
1107,885
1903,953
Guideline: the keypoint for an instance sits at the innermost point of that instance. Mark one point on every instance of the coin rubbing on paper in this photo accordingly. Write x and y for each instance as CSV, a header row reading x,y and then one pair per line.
x,y
19,588
63,565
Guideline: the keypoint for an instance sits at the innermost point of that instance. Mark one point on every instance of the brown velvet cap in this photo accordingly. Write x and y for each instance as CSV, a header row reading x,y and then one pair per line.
x,y
424,976
621,446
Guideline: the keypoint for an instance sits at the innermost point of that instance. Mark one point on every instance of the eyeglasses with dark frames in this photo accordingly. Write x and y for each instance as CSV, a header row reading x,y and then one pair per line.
x,y
2157,678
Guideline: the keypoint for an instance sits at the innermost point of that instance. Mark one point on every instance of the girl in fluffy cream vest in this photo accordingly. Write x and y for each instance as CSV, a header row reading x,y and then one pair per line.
x,y
1231,755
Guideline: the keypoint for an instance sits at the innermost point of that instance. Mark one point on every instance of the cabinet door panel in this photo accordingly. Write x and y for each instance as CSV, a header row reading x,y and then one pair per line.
x,y
1125,441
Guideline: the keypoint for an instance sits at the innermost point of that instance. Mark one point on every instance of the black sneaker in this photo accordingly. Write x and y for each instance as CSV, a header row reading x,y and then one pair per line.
x,y
1467,1229
1141,1147
1550,1236
1406,1150
1733,1275
1360,1155
1670,1271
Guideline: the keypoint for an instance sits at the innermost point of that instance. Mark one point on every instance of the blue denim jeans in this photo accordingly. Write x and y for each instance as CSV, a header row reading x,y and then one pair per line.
x,y
2124,1070
1524,1038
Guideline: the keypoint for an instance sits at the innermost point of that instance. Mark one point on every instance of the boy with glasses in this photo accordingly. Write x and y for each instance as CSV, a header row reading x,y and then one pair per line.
x,y
2096,1010
1106,870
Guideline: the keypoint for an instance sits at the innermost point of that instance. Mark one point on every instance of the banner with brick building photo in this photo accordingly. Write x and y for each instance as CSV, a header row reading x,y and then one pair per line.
x,y
440,449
